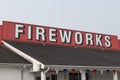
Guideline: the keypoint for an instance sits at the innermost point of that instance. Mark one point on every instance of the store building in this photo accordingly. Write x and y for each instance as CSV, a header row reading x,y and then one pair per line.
x,y
33,52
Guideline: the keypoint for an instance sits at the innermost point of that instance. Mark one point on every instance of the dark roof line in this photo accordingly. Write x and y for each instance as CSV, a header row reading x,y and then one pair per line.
x,y
59,55
8,56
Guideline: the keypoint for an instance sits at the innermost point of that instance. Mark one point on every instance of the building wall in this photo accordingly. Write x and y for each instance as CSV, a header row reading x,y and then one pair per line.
x,y
27,75
99,76
92,76
107,76
95,76
62,76
14,73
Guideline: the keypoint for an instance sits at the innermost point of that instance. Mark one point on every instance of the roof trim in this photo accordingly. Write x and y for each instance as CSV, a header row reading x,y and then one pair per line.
x,y
36,64
82,67
14,65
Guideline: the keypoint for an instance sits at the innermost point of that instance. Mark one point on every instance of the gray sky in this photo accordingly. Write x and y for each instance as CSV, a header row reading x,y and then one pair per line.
x,y
101,16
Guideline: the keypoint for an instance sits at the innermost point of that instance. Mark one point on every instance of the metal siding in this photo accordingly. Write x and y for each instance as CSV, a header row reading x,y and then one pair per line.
x,y
7,73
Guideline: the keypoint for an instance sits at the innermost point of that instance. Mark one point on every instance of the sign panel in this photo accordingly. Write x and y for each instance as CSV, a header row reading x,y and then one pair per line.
x,y
0,35
57,36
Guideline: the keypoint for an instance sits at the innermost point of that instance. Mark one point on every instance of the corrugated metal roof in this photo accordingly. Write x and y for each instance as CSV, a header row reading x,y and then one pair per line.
x,y
60,55
7,56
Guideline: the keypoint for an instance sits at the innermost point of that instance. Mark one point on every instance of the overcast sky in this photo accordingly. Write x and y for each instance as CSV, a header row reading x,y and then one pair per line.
x,y
101,16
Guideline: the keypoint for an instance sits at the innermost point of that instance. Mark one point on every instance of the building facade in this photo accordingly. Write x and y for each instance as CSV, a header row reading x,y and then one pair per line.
x,y
34,52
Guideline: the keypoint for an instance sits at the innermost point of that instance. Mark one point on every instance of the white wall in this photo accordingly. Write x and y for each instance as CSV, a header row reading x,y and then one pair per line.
x,y
92,76
27,75
14,73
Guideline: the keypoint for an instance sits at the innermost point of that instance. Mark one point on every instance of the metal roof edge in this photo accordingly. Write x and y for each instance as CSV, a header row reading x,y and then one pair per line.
x,y
82,67
15,65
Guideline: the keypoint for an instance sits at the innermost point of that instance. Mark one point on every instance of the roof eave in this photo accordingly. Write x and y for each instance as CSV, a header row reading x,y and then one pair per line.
x,y
61,67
